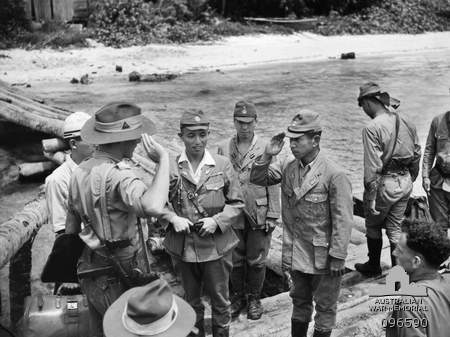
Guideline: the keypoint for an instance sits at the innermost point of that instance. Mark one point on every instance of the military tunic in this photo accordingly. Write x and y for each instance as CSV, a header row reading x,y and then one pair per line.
x,y
317,213
438,147
205,261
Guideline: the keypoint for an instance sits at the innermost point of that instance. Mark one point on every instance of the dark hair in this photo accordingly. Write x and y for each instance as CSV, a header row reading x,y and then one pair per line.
x,y
428,239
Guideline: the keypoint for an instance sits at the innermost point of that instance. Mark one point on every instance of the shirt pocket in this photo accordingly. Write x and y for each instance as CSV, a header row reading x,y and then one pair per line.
x,y
320,252
213,198
261,210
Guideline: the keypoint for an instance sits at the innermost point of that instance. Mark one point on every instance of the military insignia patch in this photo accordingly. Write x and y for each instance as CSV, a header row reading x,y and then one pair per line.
x,y
244,110
197,119
125,126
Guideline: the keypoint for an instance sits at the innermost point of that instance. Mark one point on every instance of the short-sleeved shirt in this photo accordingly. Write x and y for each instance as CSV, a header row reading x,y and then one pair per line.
x,y
124,191
57,193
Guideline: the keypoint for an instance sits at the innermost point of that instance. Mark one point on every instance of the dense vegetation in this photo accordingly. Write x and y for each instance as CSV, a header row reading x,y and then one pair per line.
x,y
135,22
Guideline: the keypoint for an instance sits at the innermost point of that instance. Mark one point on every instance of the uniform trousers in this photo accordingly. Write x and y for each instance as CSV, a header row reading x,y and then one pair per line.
x,y
102,291
439,201
324,290
392,198
212,277
251,253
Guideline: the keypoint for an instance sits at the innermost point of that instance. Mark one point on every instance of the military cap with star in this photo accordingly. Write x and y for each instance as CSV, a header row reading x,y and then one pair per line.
x,y
244,111
304,122
194,120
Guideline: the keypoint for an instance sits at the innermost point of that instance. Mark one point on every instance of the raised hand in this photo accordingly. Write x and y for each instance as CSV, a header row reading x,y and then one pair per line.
x,y
154,150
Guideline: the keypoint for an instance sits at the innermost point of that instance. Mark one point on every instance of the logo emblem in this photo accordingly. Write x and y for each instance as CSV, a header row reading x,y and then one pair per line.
x,y
197,119
398,277
125,126
244,110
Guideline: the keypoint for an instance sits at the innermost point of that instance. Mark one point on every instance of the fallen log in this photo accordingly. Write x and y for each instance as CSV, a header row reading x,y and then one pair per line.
x,y
20,228
54,145
56,157
31,169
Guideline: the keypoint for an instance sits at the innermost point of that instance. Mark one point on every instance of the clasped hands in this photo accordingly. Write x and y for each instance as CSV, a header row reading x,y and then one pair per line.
x,y
184,225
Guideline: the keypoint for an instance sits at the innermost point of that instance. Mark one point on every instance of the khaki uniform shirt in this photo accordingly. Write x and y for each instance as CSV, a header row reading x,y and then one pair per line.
x,y
435,321
438,142
317,211
261,202
219,194
57,193
124,191
378,140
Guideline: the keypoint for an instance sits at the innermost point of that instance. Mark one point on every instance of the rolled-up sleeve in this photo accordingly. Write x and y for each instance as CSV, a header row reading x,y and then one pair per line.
x,y
234,200
373,164
430,150
341,210
131,190
56,195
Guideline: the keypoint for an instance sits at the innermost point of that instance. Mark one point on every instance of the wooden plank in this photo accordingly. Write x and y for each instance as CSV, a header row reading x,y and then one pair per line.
x,y
62,10
43,10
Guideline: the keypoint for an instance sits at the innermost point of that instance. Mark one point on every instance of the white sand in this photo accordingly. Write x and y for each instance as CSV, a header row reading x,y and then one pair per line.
x,y
234,52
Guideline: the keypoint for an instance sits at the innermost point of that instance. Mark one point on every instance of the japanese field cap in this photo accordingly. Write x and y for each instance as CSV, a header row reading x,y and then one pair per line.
x,y
244,111
116,122
151,310
194,120
371,89
304,122
73,124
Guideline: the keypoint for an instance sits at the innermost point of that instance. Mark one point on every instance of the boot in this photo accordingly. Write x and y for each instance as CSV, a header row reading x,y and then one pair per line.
x,y
393,258
299,328
238,299
322,333
255,309
218,331
372,267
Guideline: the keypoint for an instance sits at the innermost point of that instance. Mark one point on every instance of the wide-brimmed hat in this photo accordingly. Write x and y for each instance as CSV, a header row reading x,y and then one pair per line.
x,y
73,124
304,121
116,122
194,120
371,89
151,310
244,111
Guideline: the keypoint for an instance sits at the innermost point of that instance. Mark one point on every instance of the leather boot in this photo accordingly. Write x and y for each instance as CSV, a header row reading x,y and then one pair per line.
x,y
372,267
393,258
218,331
238,299
320,333
299,328
254,309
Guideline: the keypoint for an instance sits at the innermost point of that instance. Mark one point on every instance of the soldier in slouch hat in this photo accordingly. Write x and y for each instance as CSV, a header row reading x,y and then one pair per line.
x,y
105,199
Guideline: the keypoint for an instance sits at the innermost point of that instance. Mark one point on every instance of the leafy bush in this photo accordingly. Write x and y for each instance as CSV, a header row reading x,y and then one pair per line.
x,y
12,16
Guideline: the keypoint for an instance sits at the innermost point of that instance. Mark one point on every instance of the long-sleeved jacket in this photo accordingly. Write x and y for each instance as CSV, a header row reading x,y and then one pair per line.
x,y
261,202
219,194
317,212
378,140
437,146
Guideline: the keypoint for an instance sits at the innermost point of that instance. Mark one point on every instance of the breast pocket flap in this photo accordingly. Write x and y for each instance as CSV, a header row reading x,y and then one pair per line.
x,y
316,197
261,202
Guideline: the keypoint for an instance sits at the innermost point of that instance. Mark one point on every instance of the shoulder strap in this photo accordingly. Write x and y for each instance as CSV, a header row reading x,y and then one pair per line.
x,y
391,153
106,223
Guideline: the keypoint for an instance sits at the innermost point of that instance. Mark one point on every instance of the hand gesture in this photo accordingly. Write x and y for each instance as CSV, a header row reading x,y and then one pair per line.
x,y
426,183
154,150
181,225
337,266
209,226
275,146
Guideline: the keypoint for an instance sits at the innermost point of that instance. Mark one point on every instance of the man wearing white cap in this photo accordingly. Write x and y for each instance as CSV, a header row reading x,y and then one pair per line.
x,y
57,184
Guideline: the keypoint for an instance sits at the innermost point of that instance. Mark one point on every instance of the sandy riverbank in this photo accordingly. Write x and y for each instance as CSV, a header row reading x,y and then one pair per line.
x,y
18,65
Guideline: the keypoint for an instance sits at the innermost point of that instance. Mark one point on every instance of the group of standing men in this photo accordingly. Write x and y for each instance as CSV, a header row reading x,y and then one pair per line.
x,y
220,210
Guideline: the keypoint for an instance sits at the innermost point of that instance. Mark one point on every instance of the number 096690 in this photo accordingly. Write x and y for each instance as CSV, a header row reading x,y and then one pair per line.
x,y
404,322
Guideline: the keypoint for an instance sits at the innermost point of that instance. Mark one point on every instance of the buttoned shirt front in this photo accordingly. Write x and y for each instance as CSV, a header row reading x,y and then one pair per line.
x,y
57,193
